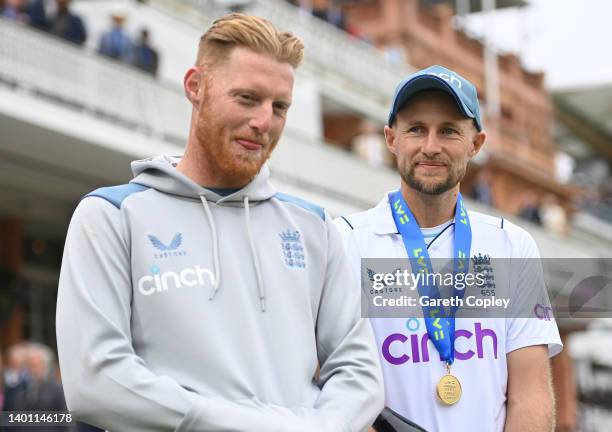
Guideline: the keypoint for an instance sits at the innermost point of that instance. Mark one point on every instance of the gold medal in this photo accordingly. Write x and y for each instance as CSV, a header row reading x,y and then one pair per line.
x,y
448,388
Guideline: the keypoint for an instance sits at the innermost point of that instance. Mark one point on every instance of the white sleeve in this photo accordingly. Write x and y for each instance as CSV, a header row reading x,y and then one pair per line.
x,y
533,322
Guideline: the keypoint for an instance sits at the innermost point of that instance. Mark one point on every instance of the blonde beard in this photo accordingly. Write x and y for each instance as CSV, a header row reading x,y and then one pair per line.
x,y
214,146
454,177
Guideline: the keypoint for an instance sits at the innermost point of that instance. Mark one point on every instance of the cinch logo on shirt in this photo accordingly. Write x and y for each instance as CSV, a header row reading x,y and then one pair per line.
x,y
544,313
158,281
398,348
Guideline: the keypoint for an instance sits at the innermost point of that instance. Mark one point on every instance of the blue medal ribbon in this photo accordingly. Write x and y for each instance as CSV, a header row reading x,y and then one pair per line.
x,y
440,326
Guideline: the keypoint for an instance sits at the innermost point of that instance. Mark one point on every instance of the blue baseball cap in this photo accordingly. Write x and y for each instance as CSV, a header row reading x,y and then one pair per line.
x,y
439,78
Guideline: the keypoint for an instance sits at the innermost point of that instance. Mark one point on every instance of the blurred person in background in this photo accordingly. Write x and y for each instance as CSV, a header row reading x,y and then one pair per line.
x,y
32,12
37,15
329,11
335,16
41,391
67,25
115,42
501,381
15,371
553,215
370,146
15,10
530,208
145,57
197,298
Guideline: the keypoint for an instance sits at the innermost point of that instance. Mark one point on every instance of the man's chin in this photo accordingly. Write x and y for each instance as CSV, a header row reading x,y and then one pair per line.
x,y
243,170
433,190
430,187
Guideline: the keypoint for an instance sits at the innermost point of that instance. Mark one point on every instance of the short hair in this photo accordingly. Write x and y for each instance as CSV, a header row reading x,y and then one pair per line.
x,y
38,349
248,31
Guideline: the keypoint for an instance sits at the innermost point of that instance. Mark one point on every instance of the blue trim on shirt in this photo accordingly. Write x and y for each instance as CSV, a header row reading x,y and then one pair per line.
x,y
313,208
440,233
347,222
116,194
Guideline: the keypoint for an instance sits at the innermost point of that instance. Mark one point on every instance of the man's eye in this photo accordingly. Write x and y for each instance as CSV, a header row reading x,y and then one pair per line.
x,y
449,131
245,97
280,108
416,130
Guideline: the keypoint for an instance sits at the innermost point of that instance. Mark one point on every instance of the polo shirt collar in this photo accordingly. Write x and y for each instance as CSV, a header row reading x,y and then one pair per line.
x,y
381,219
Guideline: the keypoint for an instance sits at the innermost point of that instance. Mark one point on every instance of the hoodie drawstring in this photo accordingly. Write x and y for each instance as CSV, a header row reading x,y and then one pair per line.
x,y
260,285
215,241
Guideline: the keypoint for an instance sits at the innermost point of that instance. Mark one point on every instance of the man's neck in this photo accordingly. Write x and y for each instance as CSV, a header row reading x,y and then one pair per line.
x,y
430,210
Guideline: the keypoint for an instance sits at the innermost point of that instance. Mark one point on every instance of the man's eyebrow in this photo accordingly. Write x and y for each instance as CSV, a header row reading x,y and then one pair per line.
x,y
414,122
453,123
237,90
284,102
457,124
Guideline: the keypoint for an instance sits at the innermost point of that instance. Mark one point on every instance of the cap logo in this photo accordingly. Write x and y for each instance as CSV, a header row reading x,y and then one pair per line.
x,y
450,78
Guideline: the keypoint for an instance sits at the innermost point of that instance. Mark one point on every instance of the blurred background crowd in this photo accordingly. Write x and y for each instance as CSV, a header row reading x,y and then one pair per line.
x,y
30,379
550,209
57,19
86,86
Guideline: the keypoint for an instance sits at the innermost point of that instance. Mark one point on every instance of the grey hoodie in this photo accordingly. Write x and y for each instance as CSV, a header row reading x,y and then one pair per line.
x,y
179,309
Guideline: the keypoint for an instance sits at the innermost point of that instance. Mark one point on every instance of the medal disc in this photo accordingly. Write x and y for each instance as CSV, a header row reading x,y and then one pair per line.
x,y
449,389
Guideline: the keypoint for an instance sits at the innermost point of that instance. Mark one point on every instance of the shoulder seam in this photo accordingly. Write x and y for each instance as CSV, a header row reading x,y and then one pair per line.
x,y
357,220
496,221
115,195
302,203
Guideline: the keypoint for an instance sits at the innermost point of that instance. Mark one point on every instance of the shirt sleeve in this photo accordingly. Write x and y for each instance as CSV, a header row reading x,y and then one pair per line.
x,y
532,321
350,376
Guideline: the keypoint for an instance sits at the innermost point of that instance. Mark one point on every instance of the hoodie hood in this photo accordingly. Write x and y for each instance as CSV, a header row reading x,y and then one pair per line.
x,y
160,173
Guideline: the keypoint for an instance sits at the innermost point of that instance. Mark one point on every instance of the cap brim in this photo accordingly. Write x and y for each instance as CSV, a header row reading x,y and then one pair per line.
x,y
427,82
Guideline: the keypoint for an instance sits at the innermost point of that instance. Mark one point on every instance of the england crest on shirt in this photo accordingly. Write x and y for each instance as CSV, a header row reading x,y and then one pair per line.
x,y
293,249
482,264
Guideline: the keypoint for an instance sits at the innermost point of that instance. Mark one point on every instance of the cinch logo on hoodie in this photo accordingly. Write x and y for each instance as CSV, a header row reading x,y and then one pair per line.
x,y
398,348
190,277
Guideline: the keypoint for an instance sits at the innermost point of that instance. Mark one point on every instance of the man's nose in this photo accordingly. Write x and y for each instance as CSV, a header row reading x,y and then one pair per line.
x,y
431,145
262,120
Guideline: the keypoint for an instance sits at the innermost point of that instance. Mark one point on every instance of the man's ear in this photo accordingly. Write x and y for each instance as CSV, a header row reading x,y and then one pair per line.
x,y
390,139
477,143
192,84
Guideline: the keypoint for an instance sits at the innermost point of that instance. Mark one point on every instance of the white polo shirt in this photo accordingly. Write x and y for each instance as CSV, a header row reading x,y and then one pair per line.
x,y
411,364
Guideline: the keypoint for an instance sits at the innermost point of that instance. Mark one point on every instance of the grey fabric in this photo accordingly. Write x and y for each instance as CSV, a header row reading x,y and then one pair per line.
x,y
142,347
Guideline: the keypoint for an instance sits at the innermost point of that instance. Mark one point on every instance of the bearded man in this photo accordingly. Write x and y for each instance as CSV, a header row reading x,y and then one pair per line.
x,y
196,297
448,368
